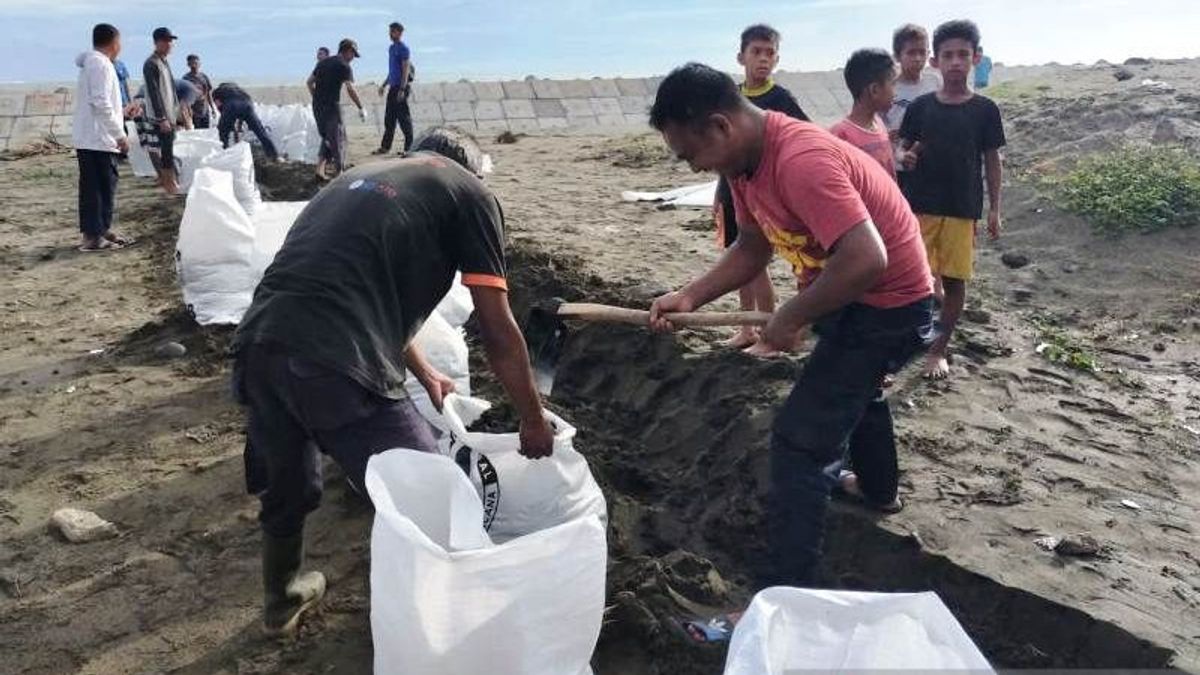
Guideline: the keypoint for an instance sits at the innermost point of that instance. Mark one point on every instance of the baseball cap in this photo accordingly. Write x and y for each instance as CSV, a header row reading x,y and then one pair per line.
x,y
347,43
164,33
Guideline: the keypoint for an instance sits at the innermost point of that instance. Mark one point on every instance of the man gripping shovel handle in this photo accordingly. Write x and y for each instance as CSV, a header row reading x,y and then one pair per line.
x,y
546,330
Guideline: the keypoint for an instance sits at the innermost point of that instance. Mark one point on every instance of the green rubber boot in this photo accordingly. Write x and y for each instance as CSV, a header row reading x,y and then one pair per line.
x,y
287,593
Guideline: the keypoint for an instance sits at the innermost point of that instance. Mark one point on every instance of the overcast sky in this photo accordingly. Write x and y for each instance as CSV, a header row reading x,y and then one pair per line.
x,y
274,40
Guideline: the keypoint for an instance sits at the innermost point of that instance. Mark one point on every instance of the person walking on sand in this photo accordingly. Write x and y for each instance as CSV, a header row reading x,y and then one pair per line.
x,y
325,84
758,56
98,134
321,353
952,139
162,106
398,89
800,191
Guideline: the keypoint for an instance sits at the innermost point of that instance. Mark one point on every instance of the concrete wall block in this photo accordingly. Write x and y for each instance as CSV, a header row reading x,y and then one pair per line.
x,y
637,120
617,120
6,125
552,122
492,126
549,108
632,87
488,91
488,110
575,88
428,92
468,126
45,104
31,128
652,84
12,105
548,89
577,107
457,111
62,126
426,112
516,89
806,81
834,79
603,88
518,108
523,125
458,91
635,105
606,106
582,122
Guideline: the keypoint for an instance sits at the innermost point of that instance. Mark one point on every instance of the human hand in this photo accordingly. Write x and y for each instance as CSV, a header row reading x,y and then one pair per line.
x,y
362,114
123,144
668,304
908,159
537,438
165,126
381,88
777,336
438,385
893,135
133,110
995,224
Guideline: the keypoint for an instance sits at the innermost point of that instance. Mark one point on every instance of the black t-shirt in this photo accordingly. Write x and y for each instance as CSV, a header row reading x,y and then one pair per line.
x,y
227,92
329,75
948,178
779,99
367,261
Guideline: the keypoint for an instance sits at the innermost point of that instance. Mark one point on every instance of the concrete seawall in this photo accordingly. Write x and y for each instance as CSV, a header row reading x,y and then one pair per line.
x,y
598,105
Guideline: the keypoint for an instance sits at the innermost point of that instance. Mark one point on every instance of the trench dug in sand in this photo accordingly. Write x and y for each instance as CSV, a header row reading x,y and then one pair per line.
x,y
677,436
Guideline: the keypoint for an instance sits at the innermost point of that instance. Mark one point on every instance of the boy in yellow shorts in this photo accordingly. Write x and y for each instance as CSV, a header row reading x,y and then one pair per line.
x,y
949,139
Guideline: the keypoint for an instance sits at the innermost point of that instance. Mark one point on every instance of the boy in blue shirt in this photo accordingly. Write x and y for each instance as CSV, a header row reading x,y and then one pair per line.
x,y
397,85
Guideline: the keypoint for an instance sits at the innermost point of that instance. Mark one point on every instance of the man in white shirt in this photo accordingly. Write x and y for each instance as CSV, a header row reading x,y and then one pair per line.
x,y
98,134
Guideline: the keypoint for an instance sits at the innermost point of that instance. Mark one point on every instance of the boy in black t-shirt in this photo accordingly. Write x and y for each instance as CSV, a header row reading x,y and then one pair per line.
x,y
949,138
759,55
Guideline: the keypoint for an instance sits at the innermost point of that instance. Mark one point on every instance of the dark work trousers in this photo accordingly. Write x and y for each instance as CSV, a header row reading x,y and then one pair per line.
x,y
333,136
201,121
239,110
396,112
297,410
837,401
97,190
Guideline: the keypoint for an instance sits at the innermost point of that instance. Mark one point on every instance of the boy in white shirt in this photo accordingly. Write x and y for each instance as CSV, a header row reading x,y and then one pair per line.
x,y
910,46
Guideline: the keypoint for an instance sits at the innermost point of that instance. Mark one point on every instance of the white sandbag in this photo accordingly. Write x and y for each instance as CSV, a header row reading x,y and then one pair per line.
x,y
139,157
445,347
215,247
191,148
445,599
457,305
272,222
520,495
239,161
701,195
787,630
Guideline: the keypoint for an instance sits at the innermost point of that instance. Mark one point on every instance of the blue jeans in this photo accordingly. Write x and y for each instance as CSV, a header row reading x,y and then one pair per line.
x,y
241,110
837,402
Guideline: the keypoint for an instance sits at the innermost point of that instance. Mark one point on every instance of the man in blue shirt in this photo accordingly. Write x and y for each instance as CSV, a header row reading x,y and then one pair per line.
x,y
983,70
397,86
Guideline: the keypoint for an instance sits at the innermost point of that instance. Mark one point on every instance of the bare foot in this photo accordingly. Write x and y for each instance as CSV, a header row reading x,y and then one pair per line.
x,y
849,483
118,239
936,366
762,350
745,337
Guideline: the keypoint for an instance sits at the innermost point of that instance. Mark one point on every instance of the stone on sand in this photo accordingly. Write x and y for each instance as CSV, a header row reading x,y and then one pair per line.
x,y
170,350
1123,74
1078,545
80,526
1014,261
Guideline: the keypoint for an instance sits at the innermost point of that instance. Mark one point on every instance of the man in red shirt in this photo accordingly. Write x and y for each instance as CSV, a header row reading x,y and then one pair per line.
x,y
813,199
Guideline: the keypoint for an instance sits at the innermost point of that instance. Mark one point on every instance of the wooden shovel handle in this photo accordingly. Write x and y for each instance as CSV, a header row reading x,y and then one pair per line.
x,y
586,311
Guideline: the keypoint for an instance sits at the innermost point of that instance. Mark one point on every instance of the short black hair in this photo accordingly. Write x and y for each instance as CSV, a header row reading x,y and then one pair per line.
x,y
959,29
906,34
323,49
192,57
691,93
103,34
866,67
454,144
396,25
759,32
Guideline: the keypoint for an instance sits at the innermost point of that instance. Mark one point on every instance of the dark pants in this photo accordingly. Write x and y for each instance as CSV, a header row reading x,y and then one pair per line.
x,y
296,411
97,190
333,136
236,110
837,402
201,121
396,112
166,149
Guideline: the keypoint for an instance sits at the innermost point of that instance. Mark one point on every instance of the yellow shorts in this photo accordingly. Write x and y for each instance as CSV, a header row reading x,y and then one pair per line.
x,y
950,244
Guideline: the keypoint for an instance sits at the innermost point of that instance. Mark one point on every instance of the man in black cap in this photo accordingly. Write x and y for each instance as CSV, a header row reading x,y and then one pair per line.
x,y
322,351
162,106
325,84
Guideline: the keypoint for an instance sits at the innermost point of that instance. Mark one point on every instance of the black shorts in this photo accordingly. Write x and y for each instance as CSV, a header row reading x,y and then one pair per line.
x,y
166,149
726,213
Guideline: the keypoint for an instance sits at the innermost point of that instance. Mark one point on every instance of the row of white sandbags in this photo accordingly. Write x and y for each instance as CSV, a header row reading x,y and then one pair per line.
x,y
292,129
201,148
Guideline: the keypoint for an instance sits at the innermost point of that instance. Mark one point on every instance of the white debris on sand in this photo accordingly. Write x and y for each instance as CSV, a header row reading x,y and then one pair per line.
x,y
80,526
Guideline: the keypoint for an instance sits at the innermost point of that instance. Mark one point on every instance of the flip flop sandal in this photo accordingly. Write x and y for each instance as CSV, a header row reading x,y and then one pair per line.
x,y
717,629
101,248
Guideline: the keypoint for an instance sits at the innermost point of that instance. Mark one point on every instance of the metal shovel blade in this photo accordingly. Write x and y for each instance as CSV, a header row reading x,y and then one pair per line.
x,y
545,337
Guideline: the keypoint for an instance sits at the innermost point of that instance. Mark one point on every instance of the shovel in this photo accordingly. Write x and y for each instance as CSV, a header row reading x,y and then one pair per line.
x,y
546,330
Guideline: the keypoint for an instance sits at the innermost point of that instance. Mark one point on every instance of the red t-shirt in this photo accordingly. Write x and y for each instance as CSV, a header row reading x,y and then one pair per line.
x,y
875,142
810,189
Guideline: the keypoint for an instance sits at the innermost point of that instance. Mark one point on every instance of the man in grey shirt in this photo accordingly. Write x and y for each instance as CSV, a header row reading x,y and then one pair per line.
x,y
162,106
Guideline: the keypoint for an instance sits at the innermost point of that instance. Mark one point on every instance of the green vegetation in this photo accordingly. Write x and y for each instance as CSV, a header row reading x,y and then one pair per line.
x,y
1134,189
1056,346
